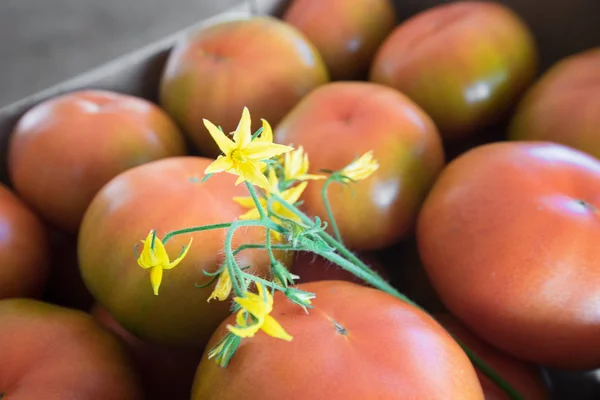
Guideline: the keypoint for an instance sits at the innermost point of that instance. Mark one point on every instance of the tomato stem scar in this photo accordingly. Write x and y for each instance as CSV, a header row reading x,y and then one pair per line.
x,y
339,328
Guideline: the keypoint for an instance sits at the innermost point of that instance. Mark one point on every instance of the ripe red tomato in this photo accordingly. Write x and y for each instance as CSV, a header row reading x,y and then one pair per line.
x,y
508,237
54,353
525,378
166,373
65,149
165,195
23,249
357,343
339,121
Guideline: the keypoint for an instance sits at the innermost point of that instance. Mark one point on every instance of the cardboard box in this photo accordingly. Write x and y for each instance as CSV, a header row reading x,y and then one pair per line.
x,y
561,28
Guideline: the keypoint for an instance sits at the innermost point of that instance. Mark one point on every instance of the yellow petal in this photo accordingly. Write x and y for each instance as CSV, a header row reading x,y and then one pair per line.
x,y
250,214
250,172
178,260
146,258
265,295
243,133
310,177
254,304
222,288
247,331
245,202
258,151
267,132
361,168
240,319
272,328
273,181
240,179
293,194
225,144
222,163
156,274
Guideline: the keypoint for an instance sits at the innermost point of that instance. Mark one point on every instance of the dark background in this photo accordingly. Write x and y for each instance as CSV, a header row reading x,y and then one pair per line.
x,y
43,42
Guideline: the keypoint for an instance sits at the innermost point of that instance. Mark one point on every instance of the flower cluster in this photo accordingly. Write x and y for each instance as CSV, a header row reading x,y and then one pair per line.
x,y
281,173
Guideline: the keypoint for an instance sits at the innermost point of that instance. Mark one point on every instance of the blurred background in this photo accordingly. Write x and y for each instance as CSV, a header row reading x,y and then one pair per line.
x,y
43,42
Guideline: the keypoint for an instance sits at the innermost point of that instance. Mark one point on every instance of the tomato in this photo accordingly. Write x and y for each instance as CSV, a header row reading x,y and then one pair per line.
x,y
54,353
360,28
23,248
166,373
563,106
524,377
65,149
259,62
165,195
342,120
508,237
464,62
311,267
356,343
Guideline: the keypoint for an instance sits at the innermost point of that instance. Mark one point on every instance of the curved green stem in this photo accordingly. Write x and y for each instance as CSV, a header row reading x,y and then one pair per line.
x,y
512,393
259,207
261,246
239,285
195,229
354,265
332,221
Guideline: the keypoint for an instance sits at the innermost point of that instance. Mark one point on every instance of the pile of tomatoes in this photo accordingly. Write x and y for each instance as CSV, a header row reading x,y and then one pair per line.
x,y
483,211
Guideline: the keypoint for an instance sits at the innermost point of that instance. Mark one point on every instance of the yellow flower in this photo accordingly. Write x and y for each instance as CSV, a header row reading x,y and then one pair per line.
x,y
361,168
242,156
157,259
295,166
259,306
290,195
223,287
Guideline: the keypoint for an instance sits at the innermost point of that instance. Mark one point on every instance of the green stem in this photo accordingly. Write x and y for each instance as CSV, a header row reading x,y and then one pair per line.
x,y
343,250
265,282
261,246
259,207
512,393
239,286
332,221
354,265
371,279
195,229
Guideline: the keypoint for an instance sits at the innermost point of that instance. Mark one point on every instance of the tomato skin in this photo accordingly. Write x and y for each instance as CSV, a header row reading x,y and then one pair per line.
x,y
260,62
390,350
360,28
55,353
342,120
464,62
166,373
508,238
65,149
165,195
524,377
563,106
24,248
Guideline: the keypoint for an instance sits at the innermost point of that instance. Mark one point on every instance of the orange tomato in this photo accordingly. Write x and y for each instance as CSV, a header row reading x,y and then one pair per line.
x,y
54,353
65,149
165,195
24,249
356,343
508,237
